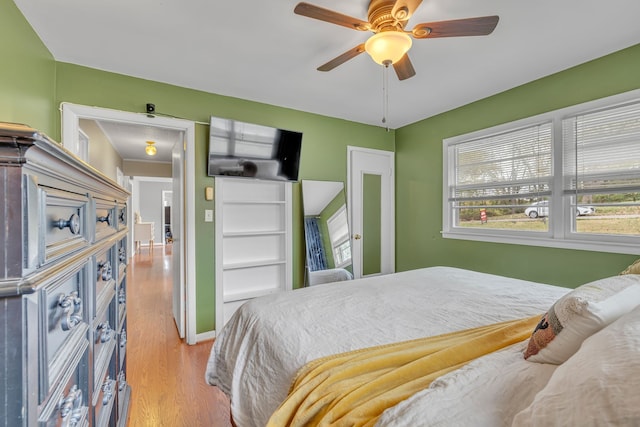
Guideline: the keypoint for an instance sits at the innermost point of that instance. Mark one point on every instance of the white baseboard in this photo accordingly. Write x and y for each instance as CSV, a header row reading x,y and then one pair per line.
x,y
205,336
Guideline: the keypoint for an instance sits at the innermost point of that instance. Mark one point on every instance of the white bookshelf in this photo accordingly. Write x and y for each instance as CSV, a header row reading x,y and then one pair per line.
x,y
253,241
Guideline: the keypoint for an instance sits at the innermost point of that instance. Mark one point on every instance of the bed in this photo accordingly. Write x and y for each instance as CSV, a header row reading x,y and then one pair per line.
x,y
329,275
258,354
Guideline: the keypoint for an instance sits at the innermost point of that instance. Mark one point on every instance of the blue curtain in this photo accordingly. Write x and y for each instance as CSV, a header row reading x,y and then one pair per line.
x,y
316,258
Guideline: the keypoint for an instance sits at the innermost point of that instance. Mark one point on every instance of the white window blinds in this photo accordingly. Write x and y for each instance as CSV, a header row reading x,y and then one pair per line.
x,y
602,151
338,227
512,165
228,137
339,236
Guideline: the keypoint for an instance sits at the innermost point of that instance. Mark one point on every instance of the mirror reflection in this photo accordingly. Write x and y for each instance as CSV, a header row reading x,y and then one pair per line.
x,y
326,232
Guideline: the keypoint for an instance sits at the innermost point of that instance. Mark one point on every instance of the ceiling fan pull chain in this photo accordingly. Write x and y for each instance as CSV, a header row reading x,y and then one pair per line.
x,y
385,92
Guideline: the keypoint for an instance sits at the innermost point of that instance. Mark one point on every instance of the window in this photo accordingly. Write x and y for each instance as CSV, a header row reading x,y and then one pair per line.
x,y
602,168
339,236
498,176
569,178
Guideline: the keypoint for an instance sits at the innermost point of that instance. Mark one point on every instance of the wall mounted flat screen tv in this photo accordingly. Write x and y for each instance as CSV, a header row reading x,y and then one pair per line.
x,y
253,151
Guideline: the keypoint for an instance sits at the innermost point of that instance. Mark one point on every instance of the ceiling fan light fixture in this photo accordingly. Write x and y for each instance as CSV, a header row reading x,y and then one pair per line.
x,y
388,46
150,149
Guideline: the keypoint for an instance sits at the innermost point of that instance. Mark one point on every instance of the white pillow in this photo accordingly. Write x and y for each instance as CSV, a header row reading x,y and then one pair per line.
x,y
597,386
633,268
579,314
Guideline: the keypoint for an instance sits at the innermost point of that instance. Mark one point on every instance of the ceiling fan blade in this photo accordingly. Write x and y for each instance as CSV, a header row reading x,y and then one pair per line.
x,y
404,68
403,9
350,54
480,26
316,12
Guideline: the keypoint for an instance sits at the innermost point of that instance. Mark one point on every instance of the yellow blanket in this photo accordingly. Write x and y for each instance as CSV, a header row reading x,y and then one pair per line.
x,y
354,388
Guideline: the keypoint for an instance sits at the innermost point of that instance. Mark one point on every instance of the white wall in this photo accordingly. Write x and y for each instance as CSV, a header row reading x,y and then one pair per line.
x,y
102,155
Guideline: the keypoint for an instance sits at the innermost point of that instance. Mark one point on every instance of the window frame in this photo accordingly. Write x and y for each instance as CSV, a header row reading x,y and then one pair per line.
x,y
336,244
560,233
82,146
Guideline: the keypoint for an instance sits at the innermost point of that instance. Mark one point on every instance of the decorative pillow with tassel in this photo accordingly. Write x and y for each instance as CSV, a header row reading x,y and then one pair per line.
x,y
579,314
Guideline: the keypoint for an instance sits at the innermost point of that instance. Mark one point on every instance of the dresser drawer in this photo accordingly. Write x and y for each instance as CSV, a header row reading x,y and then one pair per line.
x,y
122,257
105,338
69,403
105,218
64,323
105,279
64,223
122,346
124,395
105,396
122,302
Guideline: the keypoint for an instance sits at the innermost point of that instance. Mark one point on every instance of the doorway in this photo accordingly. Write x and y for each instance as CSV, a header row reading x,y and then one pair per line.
x,y
183,203
149,201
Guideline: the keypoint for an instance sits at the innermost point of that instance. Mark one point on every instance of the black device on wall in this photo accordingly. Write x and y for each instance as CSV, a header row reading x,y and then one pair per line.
x,y
249,150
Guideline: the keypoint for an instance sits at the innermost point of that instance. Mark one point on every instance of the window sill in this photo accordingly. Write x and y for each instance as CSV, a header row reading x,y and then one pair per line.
x,y
549,242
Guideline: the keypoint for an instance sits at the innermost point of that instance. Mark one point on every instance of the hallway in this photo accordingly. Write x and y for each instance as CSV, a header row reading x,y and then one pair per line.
x,y
166,375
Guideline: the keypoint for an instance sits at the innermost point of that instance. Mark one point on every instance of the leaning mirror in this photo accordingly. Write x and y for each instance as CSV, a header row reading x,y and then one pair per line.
x,y
326,232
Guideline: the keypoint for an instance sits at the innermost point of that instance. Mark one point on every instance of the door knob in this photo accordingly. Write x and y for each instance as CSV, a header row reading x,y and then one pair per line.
x,y
357,236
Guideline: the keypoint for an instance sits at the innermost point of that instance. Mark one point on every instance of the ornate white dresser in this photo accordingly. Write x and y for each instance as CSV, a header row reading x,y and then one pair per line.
x,y
62,287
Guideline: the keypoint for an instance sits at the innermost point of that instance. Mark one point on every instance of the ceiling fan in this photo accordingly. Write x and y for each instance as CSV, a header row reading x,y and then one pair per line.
x,y
391,42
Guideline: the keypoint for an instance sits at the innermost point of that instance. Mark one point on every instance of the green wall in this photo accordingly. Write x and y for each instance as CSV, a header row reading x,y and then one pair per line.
x,y
324,148
419,178
27,73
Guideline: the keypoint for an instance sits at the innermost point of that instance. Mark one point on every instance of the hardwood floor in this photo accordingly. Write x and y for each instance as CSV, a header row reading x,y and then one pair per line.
x,y
166,375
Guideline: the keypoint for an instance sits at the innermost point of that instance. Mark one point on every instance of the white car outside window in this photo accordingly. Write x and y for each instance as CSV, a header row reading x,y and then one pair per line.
x,y
539,209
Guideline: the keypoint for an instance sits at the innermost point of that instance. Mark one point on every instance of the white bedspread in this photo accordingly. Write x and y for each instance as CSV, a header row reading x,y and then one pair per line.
x,y
257,354
487,392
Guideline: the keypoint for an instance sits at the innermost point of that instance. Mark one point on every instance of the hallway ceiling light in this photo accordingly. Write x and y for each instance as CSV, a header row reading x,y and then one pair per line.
x,y
150,149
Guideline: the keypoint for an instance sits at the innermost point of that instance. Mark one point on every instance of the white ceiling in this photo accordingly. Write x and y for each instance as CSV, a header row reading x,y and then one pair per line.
x,y
261,51
317,195
130,140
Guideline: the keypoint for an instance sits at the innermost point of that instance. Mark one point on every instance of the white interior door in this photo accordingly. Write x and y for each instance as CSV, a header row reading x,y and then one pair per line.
x,y
178,231
372,204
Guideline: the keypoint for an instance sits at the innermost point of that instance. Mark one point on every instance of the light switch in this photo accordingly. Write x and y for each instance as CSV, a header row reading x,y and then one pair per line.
x,y
208,215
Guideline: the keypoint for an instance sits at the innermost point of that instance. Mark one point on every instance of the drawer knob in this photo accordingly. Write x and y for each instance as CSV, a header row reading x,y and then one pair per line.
x,y
72,307
104,332
122,296
123,215
106,219
107,390
73,223
123,339
122,254
122,381
71,407
105,271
